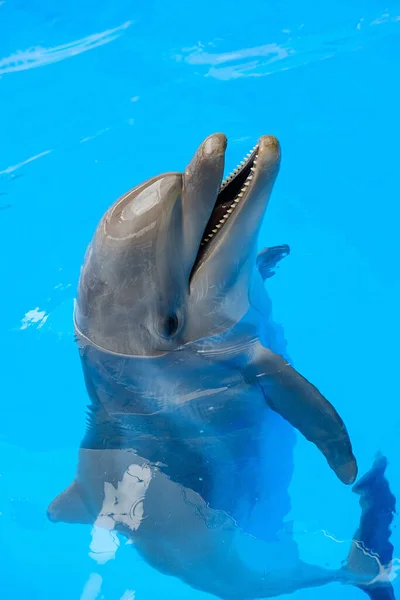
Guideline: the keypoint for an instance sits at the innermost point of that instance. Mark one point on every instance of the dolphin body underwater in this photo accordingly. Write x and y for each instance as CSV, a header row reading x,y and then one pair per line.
x,y
188,376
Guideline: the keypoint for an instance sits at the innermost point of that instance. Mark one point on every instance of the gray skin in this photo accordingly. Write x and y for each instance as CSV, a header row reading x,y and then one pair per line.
x,y
181,387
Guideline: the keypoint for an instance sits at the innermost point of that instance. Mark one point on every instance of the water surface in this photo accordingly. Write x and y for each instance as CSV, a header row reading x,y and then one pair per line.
x,y
94,99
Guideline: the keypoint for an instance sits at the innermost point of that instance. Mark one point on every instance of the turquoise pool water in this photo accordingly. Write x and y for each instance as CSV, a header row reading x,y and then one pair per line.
x,y
97,97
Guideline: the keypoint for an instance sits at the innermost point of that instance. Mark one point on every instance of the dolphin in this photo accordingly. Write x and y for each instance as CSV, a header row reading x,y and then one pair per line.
x,y
188,378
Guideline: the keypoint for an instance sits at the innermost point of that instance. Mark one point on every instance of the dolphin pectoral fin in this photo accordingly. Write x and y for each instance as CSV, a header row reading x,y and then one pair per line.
x,y
299,402
69,507
268,258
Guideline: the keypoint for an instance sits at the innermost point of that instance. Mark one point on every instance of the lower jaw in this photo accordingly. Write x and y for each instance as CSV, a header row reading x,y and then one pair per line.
x,y
232,193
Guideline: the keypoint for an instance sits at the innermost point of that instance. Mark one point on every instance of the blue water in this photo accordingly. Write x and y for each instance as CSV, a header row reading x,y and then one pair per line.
x,y
95,97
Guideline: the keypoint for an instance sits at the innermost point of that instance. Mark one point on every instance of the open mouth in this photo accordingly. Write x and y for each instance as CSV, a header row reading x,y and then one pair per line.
x,y
233,190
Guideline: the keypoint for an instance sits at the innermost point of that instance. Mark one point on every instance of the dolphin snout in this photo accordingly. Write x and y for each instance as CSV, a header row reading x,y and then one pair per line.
x,y
214,145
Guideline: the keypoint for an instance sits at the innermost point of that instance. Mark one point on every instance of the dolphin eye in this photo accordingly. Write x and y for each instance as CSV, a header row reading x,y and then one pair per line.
x,y
170,325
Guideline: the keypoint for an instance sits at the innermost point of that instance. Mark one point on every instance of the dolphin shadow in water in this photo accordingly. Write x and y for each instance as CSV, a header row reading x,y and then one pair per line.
x,y
193,400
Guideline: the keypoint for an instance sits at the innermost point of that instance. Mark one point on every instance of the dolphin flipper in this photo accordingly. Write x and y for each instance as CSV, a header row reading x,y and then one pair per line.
x,y
268,258
369,561
69,507
380,593
371,549
299,402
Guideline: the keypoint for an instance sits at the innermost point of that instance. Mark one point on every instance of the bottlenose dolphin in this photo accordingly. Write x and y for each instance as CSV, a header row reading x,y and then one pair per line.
x,y
185,371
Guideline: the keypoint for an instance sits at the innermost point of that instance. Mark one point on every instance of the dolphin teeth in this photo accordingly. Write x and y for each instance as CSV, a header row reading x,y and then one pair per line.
x,y
238,168
244,164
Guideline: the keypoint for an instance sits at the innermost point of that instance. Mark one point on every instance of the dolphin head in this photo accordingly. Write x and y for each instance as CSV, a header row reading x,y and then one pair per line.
x,y
170,261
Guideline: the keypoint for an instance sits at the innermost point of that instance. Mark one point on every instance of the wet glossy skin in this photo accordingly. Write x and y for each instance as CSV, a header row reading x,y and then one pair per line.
x,y
137,270
183,385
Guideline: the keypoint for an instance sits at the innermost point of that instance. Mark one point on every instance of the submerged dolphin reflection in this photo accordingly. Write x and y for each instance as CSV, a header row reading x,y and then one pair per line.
x,y
189,382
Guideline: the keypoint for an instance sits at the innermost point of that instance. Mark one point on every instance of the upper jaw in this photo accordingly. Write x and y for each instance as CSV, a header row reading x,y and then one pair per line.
x,y
241,198
201,183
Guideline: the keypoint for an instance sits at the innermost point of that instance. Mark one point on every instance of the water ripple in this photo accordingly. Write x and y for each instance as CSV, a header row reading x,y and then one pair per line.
x,y
39,57
13,168
298,50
